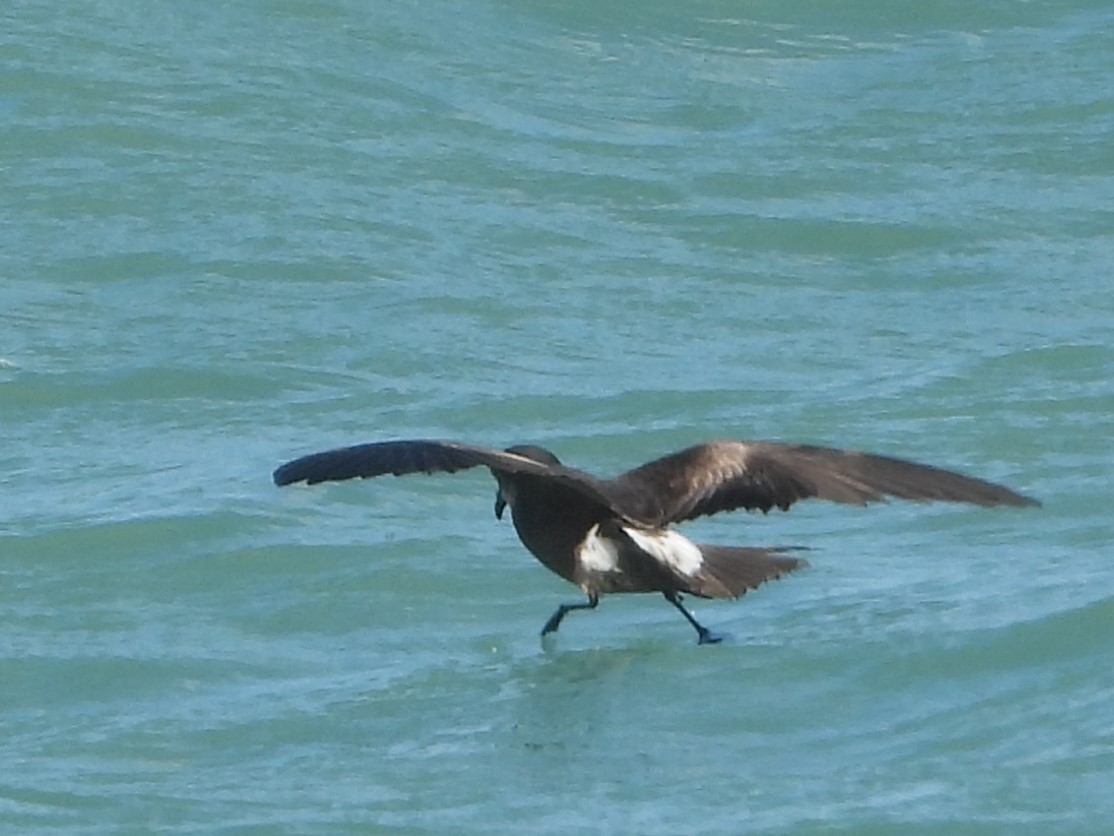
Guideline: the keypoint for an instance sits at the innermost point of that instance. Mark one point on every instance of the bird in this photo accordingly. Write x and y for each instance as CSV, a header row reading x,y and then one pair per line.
x,y
617,535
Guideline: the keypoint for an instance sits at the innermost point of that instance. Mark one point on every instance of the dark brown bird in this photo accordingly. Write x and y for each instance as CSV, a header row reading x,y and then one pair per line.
x,y
613,535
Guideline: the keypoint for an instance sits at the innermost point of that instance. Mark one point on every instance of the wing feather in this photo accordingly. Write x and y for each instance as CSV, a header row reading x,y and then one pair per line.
x,y
725,475
404,457
397,458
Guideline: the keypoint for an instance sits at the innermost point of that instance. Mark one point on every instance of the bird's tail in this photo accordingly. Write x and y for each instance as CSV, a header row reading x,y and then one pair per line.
x,y
729,571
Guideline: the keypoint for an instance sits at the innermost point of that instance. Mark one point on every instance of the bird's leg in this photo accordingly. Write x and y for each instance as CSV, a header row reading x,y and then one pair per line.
x,y
706,635
555,619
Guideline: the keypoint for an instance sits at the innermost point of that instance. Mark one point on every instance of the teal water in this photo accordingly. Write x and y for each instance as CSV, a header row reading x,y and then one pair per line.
x,y
234,233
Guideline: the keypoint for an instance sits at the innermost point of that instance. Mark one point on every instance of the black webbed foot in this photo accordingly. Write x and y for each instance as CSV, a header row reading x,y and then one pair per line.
x,y
704,635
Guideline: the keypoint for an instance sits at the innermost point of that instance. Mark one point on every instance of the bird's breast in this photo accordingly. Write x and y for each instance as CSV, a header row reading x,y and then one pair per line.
x,y
552,532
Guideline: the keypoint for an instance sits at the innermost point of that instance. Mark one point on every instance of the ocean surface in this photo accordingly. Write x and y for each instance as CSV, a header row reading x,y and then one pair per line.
x,y
236,233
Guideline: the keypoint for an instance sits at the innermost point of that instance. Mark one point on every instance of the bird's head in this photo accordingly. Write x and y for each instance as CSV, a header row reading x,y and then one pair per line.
x,y
504,496
534,453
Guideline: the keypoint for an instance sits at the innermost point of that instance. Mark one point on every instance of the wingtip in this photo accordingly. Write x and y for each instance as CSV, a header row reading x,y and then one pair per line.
x,y
283,475
1017,500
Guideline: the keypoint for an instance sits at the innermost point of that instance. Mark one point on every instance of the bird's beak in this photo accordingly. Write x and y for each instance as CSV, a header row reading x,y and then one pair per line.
x,y
500,505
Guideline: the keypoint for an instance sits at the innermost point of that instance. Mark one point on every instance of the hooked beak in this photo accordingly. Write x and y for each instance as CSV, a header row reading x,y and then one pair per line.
x,y
500,506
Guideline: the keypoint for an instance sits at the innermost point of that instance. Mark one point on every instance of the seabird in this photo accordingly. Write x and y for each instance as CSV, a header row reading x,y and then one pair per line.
x,y
614,535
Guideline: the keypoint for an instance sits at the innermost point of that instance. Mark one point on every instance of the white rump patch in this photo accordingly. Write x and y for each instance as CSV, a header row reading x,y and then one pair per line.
x,y
596,553
669,547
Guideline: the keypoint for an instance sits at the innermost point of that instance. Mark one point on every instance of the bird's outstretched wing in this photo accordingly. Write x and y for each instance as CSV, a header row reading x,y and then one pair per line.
x,y
397,458
427,456
724,475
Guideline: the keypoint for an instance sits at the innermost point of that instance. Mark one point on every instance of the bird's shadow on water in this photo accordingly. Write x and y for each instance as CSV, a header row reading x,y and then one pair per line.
x,y
601,659
556,666
565,695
